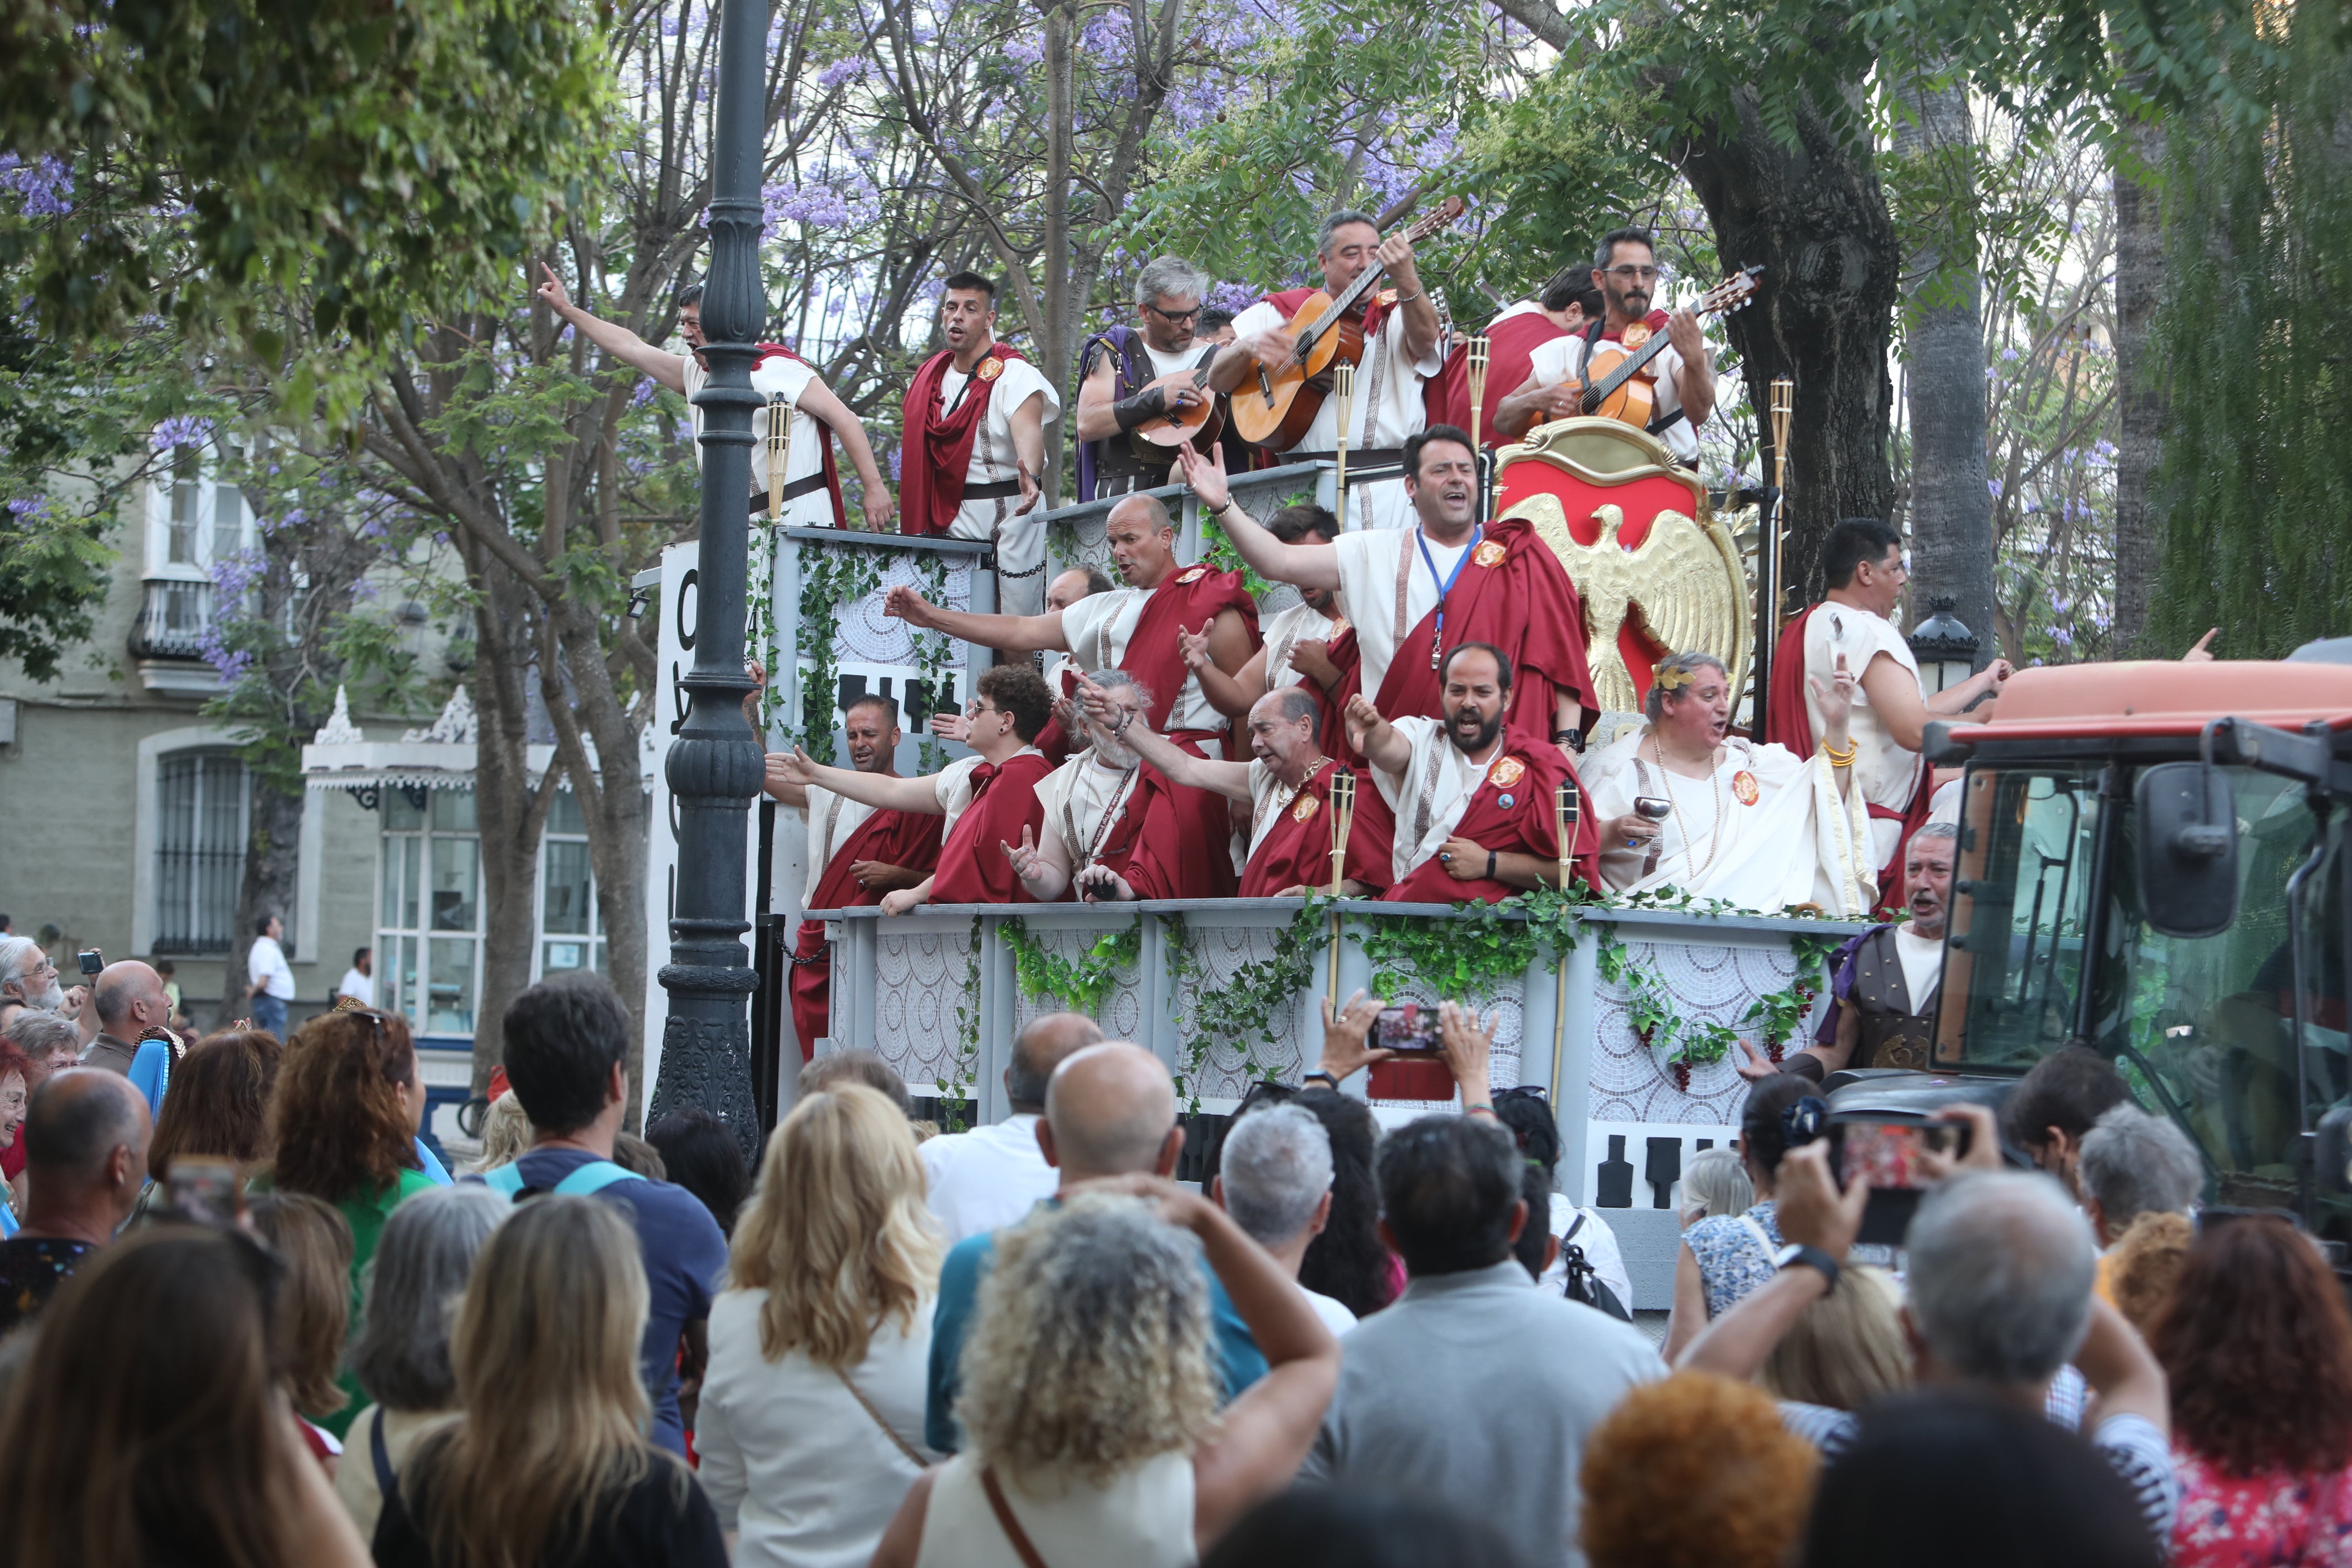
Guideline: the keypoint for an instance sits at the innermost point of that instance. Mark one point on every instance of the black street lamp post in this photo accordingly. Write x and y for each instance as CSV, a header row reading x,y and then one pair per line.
x,y
714,764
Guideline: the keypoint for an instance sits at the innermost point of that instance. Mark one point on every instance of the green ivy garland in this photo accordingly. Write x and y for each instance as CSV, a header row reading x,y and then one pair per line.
x,y
1240,1009
761,638
934,656
964,1068
829,579
1081,984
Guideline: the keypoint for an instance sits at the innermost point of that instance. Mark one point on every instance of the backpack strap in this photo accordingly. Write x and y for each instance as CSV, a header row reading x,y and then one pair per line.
x,y
507,1179
593,1178
387,1479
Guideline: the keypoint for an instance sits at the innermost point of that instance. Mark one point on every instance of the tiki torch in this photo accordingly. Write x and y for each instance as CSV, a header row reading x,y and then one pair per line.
x,y
780,448
1343,819
1566,807
1768,548
1479,347
1344,385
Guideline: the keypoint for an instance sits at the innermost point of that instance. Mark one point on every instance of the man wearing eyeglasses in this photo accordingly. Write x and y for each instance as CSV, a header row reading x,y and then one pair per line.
x,y
1117,368
1625,271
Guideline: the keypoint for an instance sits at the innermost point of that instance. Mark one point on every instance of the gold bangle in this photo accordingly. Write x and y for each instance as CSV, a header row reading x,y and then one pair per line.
x,y
1841,759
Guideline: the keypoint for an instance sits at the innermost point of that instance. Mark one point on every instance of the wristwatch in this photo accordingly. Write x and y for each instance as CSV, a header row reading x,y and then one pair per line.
x,y
1490,865
1797,1252
1330,1079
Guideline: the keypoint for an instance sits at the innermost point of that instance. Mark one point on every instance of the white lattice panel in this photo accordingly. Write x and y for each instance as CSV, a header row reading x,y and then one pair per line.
x,y
1226,1069
918,980
1121,1011
862,633
1711,981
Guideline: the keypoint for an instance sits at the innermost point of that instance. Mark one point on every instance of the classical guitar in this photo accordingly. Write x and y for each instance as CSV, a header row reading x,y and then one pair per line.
x,y
1275,406
1201,423
1617,383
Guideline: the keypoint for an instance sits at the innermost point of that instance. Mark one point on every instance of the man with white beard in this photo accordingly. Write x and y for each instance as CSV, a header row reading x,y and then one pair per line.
x,y
1098,836
29,980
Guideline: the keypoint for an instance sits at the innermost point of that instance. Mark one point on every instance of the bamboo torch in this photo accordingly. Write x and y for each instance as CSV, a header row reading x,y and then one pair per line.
x,y
1769,539
1566,807
1343,820
780,448
1344,385
1479,347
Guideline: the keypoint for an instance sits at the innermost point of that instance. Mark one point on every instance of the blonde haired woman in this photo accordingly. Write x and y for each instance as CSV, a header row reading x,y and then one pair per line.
x,y
1089,1402
549,1464
811,1413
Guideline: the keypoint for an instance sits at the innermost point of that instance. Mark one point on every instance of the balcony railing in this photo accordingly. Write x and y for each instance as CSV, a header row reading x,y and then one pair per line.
x,y
172,620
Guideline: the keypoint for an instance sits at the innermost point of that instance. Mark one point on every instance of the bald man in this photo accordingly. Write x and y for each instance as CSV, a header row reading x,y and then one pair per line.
x,y
130,999
86,1138
1111,1111
994,1175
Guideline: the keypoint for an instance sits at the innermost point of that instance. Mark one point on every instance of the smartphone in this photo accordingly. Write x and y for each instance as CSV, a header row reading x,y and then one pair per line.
x,y
1651,806
1412,1028
205,1189
1885,1152
92,959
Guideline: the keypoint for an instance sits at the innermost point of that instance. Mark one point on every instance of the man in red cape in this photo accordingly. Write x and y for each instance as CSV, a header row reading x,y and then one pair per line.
x,y
989,798
975,442
809,466
1412,596
1287,785
1512,339
855,854
1863,562
1137,628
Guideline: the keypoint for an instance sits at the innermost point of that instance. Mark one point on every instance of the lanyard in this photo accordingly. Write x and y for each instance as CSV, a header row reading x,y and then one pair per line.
x,y
1444,584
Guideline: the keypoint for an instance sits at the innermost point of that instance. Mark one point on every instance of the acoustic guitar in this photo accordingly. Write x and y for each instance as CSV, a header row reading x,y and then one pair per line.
x,y
1616,384
1156,438
1275,406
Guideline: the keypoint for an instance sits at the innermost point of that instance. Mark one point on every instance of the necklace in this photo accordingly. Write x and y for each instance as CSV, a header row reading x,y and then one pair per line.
x,y
1282,794
1715,789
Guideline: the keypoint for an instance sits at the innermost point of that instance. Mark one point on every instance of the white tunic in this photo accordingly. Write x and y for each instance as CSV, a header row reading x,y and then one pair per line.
x,y
1284,631
952,786
1564,359
1269,798
1386,589
1430,796
1387,409
1080,798
1796,842
832,819
1020,541
1885,774
1098,629
774,376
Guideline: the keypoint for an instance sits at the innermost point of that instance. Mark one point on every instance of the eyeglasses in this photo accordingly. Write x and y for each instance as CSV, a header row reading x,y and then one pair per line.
x,y
1628,274
1192,315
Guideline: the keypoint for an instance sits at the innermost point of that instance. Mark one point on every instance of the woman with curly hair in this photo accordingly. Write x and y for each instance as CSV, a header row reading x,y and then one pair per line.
x,y
343,1120
1695,1471
2257,1345
1088,1404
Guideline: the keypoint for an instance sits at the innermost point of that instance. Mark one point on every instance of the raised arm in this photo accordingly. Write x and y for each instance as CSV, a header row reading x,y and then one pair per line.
x,y
1302,565
821,400
883,792
1375,739
1229,693
778,786
1012,634
1896,697
622,345
1228,779
1811,1212
1043,868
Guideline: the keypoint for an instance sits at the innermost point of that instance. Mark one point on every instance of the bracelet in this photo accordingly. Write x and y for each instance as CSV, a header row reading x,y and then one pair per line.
x,y
1332,1078
1125,718
1409,299
1841,759
1475,1110
1221,510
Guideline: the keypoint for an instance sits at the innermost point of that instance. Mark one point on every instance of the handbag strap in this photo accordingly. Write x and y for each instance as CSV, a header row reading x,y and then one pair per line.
x,y
913,1456
1012,1531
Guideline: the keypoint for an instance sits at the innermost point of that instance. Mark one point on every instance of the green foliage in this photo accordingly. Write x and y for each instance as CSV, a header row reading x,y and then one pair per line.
x,y
52,576
1080,984
829,579
385,161
964,1070
1240,1009
2254,351
1458,959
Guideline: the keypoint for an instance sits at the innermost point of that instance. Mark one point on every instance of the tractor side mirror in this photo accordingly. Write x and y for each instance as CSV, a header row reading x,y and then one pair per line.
x,y
2188,843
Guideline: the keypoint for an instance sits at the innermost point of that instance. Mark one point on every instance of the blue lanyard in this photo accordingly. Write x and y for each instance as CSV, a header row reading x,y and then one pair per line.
x,y
1444,585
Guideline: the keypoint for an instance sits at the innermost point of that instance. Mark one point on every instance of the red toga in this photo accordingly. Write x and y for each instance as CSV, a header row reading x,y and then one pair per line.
x,y
937,457
1297,849
1511,345
1520,600
1788,721
1523,828
907,838
973,868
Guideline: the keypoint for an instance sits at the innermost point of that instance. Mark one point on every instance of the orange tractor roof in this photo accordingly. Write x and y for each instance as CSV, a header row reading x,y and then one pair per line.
x,y
2152,696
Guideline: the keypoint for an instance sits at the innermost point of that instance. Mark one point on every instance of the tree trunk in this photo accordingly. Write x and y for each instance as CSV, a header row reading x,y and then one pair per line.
x,y
511,816
1815,218
273,878
2139,405
1944,386
1055,347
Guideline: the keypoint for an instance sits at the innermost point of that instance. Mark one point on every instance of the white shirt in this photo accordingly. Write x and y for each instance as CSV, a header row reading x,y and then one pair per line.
x,y
1386,590
952,786
832,819
1334,1314
1923,962
1430,797
1562,359
1884,773
790,1459
1079,799
1388,405
267,961
1098,629
359,988
776,376
987,1178
1283,631
1600,1246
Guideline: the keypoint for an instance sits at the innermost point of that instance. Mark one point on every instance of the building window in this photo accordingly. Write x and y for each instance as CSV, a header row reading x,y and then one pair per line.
x,y
570,934
199,850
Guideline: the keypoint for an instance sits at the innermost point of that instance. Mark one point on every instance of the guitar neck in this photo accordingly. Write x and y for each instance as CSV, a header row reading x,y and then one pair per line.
x,y
1343,304
1595,396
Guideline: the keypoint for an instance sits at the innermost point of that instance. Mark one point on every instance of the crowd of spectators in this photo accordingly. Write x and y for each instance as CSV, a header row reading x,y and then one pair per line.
x,y
265,1327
